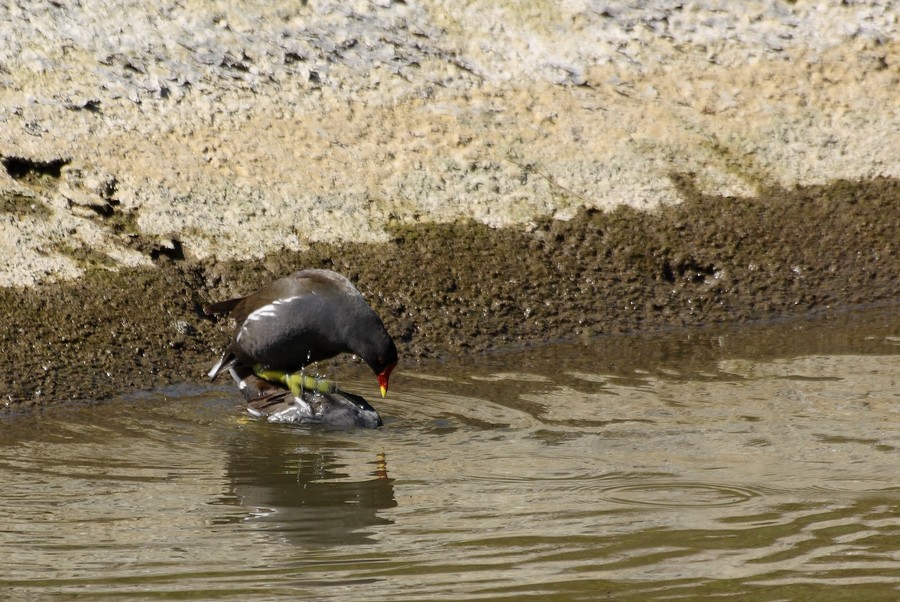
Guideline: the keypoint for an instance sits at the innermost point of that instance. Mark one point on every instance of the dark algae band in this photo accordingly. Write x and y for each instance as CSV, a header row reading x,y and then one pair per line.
x,y
464,288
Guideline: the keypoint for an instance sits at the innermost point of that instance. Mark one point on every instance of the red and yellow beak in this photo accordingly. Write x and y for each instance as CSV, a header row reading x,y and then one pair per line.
x,y
383,379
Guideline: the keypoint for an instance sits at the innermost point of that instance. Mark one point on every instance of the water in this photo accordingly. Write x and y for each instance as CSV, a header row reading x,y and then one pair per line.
x,y
754,463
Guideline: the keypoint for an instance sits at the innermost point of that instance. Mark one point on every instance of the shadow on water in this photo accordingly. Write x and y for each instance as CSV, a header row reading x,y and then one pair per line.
x,y
756,463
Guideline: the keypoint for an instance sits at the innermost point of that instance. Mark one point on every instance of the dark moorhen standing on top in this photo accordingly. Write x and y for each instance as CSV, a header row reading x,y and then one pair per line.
x,y
306,317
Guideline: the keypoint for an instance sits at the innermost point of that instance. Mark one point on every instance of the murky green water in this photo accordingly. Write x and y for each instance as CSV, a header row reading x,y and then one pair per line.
x,y
756,463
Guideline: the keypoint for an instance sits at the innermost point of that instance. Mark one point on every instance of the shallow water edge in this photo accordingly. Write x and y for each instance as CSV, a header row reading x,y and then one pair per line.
x,y
755,462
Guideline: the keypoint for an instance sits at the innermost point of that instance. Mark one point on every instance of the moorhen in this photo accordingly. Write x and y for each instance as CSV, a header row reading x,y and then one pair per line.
x,y
308,316
276,403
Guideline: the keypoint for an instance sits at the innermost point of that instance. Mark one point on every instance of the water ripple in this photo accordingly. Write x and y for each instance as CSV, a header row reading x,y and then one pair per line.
x,y
587,477
680,495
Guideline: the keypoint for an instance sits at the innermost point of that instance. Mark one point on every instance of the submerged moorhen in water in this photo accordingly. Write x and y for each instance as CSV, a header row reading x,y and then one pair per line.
x,y
306,317
276,403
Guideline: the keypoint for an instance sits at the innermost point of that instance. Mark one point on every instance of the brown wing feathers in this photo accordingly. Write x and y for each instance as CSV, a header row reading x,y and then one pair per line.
x,y
222,307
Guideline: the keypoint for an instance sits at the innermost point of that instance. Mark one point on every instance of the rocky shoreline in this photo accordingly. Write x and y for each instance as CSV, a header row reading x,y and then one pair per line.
x,y
490,174
234,130
464,288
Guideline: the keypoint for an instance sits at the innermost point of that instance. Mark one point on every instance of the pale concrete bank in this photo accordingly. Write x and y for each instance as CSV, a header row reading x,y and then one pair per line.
x,y
232,128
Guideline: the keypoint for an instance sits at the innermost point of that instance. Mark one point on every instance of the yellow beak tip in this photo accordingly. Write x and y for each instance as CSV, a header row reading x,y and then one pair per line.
x,y
383,392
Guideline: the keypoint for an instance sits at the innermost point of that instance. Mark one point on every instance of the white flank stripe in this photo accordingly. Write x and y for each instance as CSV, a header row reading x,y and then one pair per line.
x,y
270,310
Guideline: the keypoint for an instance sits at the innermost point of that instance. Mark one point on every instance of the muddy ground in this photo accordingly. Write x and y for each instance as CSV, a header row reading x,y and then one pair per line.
x,y
463,288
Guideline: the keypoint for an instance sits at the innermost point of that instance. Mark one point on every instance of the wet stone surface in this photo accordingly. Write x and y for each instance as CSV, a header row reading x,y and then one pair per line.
x,y
464,288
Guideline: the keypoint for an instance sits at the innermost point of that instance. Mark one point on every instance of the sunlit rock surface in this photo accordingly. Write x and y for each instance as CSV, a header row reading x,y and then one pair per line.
x,y
131,130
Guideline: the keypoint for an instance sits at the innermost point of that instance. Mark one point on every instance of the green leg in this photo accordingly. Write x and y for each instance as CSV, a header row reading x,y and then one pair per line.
x,y
297,382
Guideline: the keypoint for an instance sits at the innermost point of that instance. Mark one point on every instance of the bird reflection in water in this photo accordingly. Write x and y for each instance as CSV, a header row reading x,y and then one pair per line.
x,y
306,493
